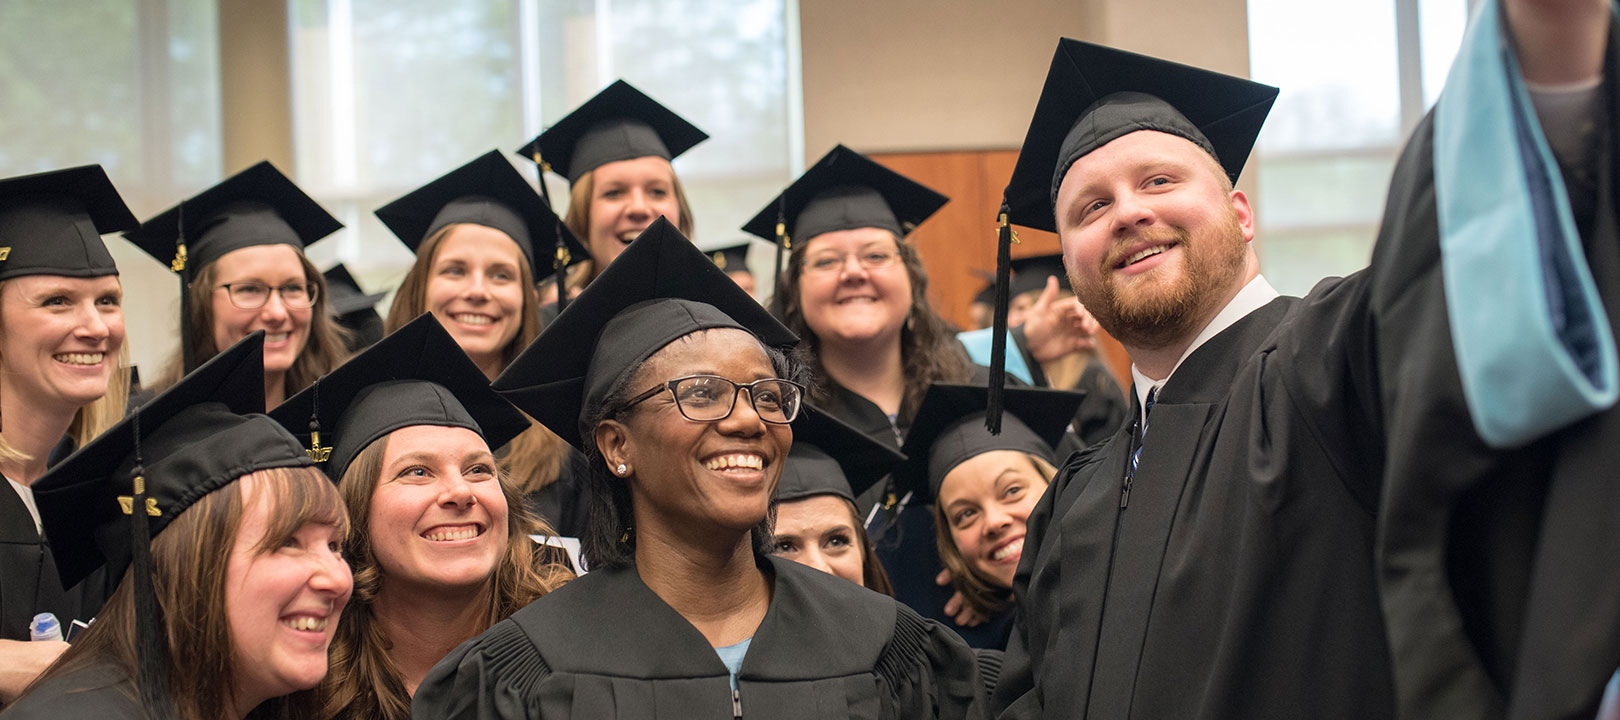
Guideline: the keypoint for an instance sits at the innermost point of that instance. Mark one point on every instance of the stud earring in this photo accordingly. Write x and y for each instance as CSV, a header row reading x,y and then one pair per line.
x,y
621,469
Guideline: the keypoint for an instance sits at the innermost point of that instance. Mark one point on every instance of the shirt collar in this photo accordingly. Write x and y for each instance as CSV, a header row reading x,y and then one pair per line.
x,y
1252,297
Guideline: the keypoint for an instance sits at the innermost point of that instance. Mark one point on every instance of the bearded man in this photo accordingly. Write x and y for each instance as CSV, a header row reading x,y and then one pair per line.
x,y
1217,558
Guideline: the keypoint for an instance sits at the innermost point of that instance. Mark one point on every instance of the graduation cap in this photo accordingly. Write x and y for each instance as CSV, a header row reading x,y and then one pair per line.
x,y
947,431
103,504
619,123
258,206
353,308
487,191
51,223
1029,274
731,259
417,375
829,457
659,289
1094,95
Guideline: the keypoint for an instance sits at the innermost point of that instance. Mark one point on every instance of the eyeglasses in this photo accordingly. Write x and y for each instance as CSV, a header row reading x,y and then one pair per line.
x,y
869,260
711,398
253,295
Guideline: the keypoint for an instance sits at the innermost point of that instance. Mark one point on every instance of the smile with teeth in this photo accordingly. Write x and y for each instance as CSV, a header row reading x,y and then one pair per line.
x,y
629,237
276,337
736,461
305,622
1144,254
453,533
79,358
1009,550
472,319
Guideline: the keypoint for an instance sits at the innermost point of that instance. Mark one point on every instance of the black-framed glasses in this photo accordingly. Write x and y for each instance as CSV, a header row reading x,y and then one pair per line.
x,y
711,398
253,295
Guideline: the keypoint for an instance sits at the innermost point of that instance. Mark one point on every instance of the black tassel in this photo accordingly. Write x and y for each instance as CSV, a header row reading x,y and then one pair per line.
x,y
998,342
781,237
188,354
559,255
151,659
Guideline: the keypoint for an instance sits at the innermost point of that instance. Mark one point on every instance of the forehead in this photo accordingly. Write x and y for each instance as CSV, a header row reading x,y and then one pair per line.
x,y
1134,151
855,238
727,352
260,261
976,477
433,439
470,240
641,169
813,514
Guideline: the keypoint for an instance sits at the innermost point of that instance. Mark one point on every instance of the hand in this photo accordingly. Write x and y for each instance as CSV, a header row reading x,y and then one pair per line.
x,y
21,662
957,608
1054,328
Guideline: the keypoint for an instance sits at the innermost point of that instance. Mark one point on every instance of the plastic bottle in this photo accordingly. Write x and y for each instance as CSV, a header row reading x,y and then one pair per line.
x,y
45,627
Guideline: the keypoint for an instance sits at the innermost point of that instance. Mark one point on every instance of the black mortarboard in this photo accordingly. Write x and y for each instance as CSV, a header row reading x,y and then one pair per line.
x,y
487,191
829,457
353,308
1094,95
417,375
947,430
199,435
731,259
620,123
258,206
659,289
1030,273
846,190
51,223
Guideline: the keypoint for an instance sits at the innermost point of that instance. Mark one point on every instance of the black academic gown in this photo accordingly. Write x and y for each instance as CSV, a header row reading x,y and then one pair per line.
x,y
28,581
564,503
1235,578
1498,567
605,646
102,692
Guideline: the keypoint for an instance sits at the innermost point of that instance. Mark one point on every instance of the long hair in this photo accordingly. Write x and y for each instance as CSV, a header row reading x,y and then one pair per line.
x,y
978,591
92,419
609,537
535,457
325,349
361,680
578,222
929,352
189,559
873,576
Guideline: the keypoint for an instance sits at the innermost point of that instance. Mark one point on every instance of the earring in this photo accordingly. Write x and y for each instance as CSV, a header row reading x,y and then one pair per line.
x,y
621,470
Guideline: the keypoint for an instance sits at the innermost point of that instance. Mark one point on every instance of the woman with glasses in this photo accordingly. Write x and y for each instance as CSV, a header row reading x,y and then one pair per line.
x,y
238,248
671,380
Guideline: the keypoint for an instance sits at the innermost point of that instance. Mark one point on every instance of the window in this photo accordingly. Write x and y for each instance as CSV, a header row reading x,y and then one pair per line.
x,y
389,94
1355,79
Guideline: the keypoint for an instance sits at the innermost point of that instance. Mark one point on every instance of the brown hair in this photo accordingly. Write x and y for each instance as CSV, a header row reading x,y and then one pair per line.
x,y
189,559
979,593
873,576
535,457
929,352
361,680
326,348
578,221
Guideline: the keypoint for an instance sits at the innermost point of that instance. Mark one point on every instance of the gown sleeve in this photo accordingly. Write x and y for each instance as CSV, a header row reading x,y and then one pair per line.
x,y
930,672
494,675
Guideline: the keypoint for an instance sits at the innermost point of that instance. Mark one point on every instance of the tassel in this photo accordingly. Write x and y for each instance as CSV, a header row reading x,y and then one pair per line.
x,y
559,256
781,235
188,354
151,660
998,341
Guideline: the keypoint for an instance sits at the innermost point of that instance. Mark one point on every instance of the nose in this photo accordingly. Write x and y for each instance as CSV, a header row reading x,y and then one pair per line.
x,y
813,557
332,575
274,310
996,522
850,269
1130,212
477,287
636,206
457,493
743,420
92,325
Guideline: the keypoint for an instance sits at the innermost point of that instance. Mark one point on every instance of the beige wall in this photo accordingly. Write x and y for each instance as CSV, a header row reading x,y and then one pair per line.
x,y
897,75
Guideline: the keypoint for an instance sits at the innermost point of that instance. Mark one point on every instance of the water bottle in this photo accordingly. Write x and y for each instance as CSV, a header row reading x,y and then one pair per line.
x,y
45,627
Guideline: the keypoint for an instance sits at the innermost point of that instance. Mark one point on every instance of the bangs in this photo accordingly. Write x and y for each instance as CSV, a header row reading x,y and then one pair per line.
x,y
296,496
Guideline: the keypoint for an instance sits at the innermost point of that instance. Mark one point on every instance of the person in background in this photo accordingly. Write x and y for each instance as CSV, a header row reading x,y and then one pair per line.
x,y
670,378
474,231
225,546
238,249
1038,282
441,547
817,524
61,347
734,261
615,151
353,308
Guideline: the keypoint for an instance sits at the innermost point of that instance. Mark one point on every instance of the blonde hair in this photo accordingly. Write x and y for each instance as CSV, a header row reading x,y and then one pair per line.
x,y
189,559
91,419
326,348
978,591
361,680
535,457
578,221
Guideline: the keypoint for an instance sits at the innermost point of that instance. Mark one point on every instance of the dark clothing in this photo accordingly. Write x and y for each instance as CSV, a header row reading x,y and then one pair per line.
x,y
102,692
1104,408
606,646
28,581
1497,566
565,503
1233,577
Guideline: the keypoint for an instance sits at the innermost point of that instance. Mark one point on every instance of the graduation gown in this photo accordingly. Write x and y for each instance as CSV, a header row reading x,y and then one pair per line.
x,y
605,646
28,581
99,691
1498,567
1235,578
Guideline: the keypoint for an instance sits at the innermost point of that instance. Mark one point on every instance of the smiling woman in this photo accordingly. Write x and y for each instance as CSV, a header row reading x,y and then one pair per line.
x,y
441,547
